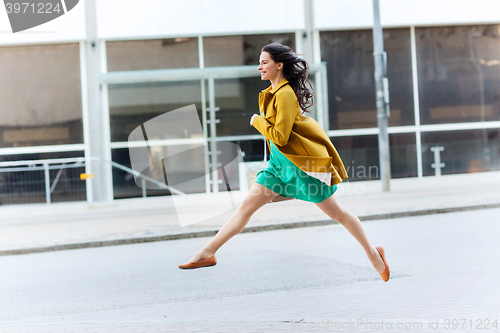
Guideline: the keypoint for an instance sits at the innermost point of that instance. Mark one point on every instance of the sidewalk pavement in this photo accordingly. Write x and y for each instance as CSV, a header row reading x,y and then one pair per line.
x,y
58,226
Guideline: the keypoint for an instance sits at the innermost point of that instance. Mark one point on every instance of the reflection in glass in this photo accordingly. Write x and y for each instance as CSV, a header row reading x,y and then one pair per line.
x,y
130,105
351,86
183,169
403,155
237,100
40,95
361,157
152,54
20,187
240,50
459,73
252,150
464,151
124,185
154,162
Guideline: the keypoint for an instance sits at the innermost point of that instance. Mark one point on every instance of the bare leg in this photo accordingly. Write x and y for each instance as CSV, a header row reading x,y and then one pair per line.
x,y
256,198
337,212
281,198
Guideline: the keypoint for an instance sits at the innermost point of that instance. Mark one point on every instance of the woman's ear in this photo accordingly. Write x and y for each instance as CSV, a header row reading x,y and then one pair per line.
x,y
280,65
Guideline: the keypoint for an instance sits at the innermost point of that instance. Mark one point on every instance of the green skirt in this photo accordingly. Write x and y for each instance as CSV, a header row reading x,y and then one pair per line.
x,y
285,178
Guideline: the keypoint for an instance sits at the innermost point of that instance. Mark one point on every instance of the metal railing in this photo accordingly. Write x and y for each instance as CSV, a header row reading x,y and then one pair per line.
x,y
144,179
57,180
31,181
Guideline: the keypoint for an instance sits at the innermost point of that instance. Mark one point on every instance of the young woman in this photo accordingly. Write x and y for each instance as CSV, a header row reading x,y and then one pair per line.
x,y
303,163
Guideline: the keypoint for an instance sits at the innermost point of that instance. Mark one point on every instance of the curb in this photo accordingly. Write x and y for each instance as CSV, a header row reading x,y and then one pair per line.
x,y
210,233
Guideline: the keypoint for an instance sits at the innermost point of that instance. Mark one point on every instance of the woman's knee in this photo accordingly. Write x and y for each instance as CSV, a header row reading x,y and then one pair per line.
x,y
341,214
334,210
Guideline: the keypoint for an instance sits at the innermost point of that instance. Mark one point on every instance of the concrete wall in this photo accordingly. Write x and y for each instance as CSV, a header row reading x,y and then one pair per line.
x,y
132,19
353,14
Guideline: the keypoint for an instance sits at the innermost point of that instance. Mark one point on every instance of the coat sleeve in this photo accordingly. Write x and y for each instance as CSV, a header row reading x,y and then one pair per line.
x,y
287,107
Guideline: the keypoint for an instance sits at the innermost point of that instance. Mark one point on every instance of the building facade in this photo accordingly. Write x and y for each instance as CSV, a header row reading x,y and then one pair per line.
x,y
77,86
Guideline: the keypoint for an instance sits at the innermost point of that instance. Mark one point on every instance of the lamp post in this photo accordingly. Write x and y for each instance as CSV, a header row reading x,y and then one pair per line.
x,y
382,98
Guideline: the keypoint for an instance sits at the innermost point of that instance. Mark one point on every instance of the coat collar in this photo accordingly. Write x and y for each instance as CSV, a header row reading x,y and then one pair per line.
x,y
272,90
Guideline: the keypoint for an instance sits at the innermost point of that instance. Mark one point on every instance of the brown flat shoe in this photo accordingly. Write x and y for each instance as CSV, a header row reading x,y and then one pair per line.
x,y
211,261
386,273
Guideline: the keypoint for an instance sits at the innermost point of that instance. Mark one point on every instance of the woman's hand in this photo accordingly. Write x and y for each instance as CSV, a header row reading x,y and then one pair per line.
x,y
253,117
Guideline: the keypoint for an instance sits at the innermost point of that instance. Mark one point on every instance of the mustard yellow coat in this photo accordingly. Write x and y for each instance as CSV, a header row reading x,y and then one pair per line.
x,y
300,138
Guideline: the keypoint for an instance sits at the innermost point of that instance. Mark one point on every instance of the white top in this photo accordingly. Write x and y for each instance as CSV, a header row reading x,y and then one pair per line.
x,y
325,177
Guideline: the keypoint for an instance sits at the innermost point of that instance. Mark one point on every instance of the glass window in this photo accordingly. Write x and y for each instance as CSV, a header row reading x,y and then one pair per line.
x,y
124,185
28,186
240,50
459,73
403,151
351,86
152,54
464,151
237,100
132,104
252,150
361,157
184,171
40,95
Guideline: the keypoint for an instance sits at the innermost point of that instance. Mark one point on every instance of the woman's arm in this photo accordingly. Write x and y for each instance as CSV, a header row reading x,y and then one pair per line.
x,y
287,108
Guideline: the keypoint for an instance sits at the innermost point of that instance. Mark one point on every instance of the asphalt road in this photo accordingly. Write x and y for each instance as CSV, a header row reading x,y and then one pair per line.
x,y
37,287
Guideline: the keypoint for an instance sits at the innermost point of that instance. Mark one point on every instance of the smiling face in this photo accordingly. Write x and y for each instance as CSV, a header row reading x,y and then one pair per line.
x,y
268,68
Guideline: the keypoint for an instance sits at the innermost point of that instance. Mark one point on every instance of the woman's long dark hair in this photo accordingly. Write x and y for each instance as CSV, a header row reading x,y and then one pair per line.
x,y
295,70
